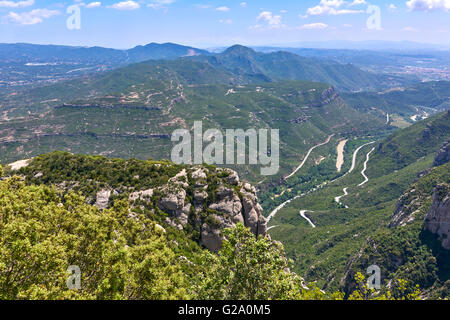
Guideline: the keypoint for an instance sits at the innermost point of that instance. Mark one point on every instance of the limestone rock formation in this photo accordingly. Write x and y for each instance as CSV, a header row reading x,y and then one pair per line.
x,y
443,155
211,238
145,194
200,199
173,202
234,207
406,208
437,220
103,199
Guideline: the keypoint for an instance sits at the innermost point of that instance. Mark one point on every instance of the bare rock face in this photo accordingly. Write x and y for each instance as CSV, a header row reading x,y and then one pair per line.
x,y
233,178
233,208
443,155
145,194
199,174
19,164
253,212
437,220
406,208
174,203
328,96
200,196
188,196
228,203
211,238
103,199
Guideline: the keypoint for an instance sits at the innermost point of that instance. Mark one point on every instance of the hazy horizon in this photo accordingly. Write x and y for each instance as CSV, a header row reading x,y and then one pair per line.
x,y
330,44
220,23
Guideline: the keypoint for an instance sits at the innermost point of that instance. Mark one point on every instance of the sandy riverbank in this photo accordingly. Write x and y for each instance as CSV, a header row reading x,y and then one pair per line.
x,y
340,155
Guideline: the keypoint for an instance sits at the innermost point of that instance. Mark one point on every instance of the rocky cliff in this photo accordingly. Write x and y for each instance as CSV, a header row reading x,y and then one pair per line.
x,y
204,199
410,203
198,200
328,96
415,246
437,220
443,155
214,204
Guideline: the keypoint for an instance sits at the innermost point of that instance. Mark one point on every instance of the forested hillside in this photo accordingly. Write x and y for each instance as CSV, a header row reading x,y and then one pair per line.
x,y
127,247
348,211
129,115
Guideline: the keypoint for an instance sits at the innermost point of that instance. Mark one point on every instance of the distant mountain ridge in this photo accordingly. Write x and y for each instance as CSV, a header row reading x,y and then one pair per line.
x,y
428,97
282,65
239,63
24,52
376,45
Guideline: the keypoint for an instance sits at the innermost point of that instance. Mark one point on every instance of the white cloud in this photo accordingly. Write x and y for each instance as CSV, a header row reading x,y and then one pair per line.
x,y
126,5
332,7
94,5
274,21
223,9
18,4
33,17
392,7
410,29
317,25
160,3
346,11
428,5
243,4
332,3
358,2
227,21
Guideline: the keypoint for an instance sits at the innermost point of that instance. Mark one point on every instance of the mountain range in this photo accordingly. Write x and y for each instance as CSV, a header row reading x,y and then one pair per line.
x,y
25,52
40,63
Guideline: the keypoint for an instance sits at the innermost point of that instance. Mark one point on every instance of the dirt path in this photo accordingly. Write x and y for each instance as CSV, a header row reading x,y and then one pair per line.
x,y
302,213
307,155
340,154
366,179
274,212
281,206
355,154
338,198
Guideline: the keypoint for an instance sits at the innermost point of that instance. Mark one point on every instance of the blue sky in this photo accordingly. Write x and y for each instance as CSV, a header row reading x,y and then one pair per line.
x,y
126,23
